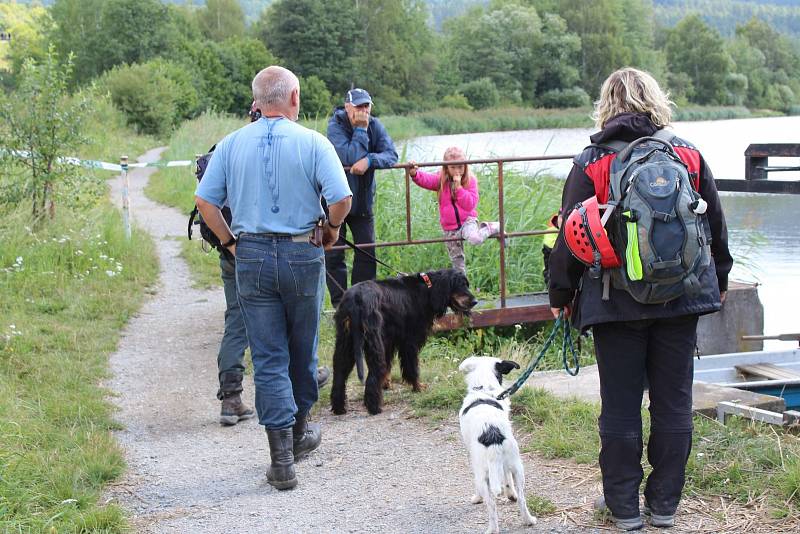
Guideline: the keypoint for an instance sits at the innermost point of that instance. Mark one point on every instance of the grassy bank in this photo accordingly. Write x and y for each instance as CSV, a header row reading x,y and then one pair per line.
x,y
66,290
65,293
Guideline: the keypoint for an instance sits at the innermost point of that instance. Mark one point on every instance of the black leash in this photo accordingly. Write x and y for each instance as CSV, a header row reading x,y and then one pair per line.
x,y
371,256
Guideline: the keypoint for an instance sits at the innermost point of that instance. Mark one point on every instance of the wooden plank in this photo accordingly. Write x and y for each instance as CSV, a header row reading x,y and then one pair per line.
x,y
725,409
763,150
706,397
759,186
767,370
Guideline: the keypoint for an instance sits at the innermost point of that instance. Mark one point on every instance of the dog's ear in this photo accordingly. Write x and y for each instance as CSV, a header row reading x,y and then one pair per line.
x,y
468,365
504,367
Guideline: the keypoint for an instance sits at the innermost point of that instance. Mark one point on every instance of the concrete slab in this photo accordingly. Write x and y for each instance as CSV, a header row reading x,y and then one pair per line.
x,y
586,386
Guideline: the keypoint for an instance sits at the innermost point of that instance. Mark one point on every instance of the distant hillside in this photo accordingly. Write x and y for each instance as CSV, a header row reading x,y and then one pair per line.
x,y
724,15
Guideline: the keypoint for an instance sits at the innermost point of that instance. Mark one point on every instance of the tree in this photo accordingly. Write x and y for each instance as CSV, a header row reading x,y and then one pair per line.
x,y
105,33
28,26
315,99
40,127
221,19
312,37
698,51
601,25
499,43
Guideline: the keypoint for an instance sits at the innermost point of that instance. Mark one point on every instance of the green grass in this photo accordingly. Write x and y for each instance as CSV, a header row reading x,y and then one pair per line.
x,y
66,290
65,293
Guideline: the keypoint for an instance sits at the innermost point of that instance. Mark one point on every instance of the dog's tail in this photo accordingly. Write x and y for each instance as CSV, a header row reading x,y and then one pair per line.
x,y
365,321
497,475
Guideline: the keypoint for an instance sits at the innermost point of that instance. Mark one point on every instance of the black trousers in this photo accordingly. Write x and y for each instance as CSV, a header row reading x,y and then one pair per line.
x,y
364,268
660,350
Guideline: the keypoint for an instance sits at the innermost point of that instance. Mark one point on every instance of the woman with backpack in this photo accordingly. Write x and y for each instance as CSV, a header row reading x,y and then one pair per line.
x,y
642,308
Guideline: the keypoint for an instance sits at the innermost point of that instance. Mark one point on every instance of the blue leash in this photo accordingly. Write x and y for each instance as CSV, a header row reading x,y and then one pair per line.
x,y
567,344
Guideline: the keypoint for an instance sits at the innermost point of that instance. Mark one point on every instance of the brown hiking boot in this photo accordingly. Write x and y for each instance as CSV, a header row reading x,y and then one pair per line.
x,y
233,410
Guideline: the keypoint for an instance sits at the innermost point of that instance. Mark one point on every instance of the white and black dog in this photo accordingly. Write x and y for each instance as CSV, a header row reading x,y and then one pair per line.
x,y
486,429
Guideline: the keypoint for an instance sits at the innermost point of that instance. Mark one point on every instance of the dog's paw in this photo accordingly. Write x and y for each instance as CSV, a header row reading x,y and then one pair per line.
x,y
529,521
476,499
493,530
419,386
511,494
339,410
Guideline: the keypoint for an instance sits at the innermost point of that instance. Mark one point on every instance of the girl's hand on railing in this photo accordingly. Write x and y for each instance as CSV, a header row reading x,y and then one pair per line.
x,y
412,171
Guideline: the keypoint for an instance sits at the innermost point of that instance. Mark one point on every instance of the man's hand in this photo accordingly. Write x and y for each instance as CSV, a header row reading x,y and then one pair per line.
x,y
556,311
722,296
329,236
360,118
232,249
360,166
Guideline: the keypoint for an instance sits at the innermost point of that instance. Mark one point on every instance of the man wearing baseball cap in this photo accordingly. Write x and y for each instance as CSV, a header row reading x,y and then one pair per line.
x,y
363,144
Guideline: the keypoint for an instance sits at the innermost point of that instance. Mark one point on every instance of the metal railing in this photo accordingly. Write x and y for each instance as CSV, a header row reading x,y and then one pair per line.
x,y
502,235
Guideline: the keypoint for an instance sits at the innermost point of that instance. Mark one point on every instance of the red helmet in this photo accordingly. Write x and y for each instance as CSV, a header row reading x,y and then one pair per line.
x,y
585,234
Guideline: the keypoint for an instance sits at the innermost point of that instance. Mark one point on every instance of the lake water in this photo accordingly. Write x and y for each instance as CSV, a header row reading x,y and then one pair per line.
x,y
764,230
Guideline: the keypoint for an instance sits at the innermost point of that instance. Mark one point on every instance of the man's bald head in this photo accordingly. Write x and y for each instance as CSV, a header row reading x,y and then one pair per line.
x,y
273,86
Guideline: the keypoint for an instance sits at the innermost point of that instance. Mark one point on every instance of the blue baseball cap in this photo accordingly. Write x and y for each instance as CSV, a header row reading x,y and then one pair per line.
x,y
357,97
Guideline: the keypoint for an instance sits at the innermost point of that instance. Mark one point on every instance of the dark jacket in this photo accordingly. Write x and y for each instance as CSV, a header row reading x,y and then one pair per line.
x,y
590,176
353,144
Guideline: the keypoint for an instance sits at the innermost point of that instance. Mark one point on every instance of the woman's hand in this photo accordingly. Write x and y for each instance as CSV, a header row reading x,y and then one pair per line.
x,y
412,171
456,182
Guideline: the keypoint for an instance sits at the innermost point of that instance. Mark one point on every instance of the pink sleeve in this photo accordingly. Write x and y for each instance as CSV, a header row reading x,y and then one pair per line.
x,y
427,180
467,197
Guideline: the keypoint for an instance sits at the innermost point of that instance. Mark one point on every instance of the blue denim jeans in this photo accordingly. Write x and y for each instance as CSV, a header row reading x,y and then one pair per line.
x,y
280,285
230,359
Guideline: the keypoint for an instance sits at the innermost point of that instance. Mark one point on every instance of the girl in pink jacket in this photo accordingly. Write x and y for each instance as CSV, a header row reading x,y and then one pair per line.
x,y
457,190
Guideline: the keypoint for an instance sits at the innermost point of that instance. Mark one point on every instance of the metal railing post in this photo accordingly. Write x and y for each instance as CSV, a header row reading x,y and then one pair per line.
x,y
408,203
502,234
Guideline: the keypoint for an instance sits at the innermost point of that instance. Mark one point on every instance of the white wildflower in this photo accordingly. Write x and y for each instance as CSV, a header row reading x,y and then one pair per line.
x,y
79,252
111,273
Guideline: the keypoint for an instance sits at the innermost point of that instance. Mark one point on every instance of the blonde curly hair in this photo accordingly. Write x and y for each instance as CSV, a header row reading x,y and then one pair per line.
x,y
631,90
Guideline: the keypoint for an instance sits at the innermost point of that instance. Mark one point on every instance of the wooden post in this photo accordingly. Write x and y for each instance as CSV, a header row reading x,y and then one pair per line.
x,y
126,201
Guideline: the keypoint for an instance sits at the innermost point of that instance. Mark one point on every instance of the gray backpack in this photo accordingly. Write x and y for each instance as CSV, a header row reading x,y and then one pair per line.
x,y
659,228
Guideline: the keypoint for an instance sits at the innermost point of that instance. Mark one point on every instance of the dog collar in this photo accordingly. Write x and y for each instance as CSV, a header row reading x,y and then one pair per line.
x,y
426,279
477,402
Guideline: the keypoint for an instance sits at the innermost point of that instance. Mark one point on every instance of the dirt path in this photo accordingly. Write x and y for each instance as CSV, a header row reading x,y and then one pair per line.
x,y
187,474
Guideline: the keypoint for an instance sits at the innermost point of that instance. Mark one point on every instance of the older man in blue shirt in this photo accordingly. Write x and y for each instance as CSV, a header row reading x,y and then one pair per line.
x,y
272,173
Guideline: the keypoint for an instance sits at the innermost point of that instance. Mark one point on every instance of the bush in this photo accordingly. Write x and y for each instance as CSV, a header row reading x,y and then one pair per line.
x,y
574,97
315,99
154,96
41,125
456,101
481,93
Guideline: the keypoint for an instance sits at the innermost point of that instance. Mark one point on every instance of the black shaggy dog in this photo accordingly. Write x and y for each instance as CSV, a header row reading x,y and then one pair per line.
x,y
377,318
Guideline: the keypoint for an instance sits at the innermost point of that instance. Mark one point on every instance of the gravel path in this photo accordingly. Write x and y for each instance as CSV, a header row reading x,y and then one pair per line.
x,y
187,474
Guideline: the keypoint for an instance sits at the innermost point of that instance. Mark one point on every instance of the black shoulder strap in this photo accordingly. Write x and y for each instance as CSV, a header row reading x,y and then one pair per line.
x,y
615,145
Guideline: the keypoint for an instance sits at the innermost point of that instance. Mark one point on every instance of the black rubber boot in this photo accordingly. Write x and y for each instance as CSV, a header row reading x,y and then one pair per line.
x,y
307,436
280,474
